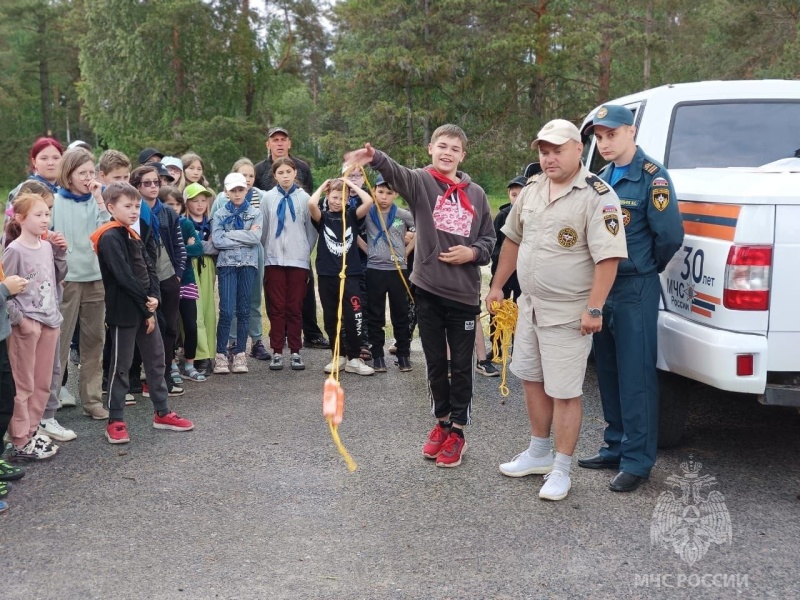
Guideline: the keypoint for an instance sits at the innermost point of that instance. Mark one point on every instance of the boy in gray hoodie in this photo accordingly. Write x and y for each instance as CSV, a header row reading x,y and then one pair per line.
x,y
455,236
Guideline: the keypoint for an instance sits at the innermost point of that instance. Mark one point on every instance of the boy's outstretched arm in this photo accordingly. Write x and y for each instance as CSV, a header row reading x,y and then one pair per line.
x,y
405,181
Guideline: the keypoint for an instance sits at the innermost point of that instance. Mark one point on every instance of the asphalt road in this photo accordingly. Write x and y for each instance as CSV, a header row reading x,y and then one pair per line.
x,y
256,503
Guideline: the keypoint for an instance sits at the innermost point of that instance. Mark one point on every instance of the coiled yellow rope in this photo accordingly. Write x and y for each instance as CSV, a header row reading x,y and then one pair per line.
x,y
505,322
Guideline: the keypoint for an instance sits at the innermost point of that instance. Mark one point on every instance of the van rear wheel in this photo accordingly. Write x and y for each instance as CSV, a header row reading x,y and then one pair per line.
x,y
673,408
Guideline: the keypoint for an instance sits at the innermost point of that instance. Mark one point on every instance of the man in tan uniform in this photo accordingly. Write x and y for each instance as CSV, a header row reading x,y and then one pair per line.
x,y
564,237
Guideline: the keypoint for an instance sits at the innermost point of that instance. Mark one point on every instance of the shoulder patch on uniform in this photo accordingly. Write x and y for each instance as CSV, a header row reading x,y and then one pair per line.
x,y
660,182
660,198
600,186
612,223
650,168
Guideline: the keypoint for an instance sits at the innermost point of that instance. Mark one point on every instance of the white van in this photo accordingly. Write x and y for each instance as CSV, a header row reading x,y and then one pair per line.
x,y
730,310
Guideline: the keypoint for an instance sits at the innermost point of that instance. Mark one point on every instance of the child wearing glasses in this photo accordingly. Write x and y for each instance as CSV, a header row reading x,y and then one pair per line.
x,y
170,264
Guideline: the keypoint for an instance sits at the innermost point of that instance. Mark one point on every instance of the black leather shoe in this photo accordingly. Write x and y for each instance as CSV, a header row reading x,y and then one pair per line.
x,y
319,343
258,351
597,462
379,364
625,482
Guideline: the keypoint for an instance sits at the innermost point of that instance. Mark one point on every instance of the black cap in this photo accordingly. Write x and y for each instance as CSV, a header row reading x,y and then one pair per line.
x,y
147,154
381,181
162,171
517,181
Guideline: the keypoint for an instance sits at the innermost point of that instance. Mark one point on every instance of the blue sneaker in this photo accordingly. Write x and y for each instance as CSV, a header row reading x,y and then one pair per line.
x,y
3,507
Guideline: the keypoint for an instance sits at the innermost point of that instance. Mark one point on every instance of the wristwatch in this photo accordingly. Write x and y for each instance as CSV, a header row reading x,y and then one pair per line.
x,y
594,312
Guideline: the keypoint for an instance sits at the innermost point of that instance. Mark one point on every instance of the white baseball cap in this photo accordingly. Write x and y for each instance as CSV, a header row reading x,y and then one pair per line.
x,y
557,131
234,180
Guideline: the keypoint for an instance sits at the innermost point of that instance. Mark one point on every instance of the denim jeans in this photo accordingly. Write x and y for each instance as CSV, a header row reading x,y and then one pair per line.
x,y
235,287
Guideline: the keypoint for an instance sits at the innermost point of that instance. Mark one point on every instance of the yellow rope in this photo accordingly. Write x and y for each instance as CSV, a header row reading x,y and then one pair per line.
x,y
504,321
333,394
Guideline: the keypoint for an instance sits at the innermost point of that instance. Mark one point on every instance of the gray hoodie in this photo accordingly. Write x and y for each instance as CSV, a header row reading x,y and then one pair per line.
x,y
298,236
436,234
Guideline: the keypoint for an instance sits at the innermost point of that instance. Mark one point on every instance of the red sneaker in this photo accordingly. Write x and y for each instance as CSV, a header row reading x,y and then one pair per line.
x,y
451,452
145,390
172,421
436,438
117,433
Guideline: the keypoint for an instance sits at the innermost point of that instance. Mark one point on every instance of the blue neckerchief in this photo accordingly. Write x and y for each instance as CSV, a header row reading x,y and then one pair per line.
x,y
236,214
352,201
50,186
286,199
203,228
76,197
373,213
155,223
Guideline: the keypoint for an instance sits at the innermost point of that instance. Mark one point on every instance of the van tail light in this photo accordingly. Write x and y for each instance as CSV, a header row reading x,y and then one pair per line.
x,y
747,278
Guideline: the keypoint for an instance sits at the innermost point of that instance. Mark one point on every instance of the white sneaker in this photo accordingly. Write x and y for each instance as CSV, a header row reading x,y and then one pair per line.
x,y
556,486
221,364
130,400
358,367
240,363
329,366
525,464
66,398
54,430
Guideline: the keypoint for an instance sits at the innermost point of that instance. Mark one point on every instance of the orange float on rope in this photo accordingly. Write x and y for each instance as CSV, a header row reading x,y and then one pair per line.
x,y
330,395
337,418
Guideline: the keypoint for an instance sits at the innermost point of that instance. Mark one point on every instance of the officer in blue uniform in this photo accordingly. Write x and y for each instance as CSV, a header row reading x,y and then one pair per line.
x,y
625,349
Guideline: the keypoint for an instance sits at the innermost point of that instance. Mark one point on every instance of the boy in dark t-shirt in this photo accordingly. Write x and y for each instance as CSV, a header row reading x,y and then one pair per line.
x,y
338,230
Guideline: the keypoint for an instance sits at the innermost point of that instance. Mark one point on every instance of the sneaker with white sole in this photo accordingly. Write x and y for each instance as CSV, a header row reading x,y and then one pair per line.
x,y
66,398
36,449
56,431
556,486
240,363
329,367
277,362
524,464
221,364
359,367
297,362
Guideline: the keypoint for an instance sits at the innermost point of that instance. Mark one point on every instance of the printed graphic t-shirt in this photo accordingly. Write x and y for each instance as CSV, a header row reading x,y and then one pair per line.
x,y
336,240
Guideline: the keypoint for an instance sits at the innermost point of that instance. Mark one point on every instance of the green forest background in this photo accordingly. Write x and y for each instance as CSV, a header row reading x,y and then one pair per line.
x,y
211,77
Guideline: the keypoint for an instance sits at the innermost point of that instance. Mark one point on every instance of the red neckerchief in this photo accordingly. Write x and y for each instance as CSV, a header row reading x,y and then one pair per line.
x,y
452,186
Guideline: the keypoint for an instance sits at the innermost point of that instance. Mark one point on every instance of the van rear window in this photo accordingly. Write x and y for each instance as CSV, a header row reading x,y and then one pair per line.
x,y
733,134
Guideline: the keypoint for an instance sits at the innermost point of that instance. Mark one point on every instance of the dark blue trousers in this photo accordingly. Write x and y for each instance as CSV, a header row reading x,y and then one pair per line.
x,y
625,356
235,287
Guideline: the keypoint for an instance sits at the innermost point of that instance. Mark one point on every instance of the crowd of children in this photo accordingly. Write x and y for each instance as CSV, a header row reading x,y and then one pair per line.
x,y
128,261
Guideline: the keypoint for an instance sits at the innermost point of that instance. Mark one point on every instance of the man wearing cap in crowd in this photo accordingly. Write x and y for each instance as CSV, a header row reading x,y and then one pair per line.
x,y
625,348
564,237
278,146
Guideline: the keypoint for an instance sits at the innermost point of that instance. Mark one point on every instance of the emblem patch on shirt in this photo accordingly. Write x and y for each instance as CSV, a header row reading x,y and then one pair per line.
x,y
598,184
660,198
660,182
567,237
609,208
469,325
650,168
612,223
626,217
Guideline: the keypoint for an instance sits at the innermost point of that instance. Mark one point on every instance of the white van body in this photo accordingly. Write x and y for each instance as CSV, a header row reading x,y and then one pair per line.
x,y
730,311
